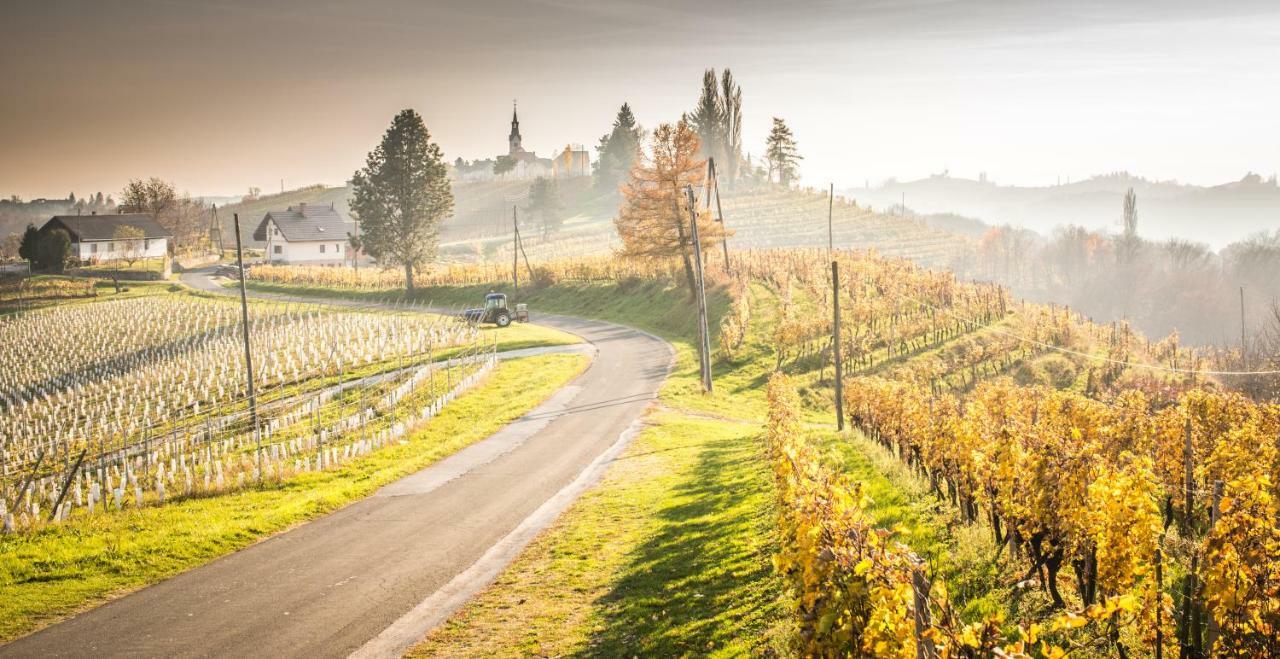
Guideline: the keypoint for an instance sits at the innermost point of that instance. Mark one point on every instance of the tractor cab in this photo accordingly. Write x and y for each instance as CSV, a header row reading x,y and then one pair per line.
x,y
495,311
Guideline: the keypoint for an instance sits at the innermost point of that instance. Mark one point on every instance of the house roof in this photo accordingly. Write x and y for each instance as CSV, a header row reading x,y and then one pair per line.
x,y
103,227
305,222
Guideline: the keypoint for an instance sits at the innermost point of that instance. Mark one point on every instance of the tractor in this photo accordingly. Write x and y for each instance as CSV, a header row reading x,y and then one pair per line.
x,y
495,311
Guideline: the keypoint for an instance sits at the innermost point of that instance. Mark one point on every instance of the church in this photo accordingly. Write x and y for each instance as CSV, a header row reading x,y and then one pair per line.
x,y
519,163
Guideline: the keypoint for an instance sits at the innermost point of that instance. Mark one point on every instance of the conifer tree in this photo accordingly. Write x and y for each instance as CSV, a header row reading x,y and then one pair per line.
x,y
401,196
708,118
780,152
731,94
618,150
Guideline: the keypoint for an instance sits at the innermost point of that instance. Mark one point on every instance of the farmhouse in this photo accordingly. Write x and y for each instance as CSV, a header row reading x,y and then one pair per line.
x,y
102,238
306,233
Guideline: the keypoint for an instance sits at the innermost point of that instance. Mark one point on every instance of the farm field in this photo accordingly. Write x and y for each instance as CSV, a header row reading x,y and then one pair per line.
x,y
1007,564
135,420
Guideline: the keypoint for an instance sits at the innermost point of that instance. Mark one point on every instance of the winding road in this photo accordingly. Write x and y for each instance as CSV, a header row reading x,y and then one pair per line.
x,y
373,578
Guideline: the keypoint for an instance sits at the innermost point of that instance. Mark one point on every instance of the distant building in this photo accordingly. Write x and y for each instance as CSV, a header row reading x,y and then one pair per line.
x,y
96,238
573,161
314,234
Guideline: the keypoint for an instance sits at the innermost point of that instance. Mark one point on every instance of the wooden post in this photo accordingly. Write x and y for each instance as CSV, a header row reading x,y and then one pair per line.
x,y
66,485
920,591
248,354
1244,359
835,342
1211,632
1159,599
1188,480
704,340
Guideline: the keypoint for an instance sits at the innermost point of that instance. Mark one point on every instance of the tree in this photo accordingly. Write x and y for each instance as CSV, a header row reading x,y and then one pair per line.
x,y
503,165
10,246
653,221
780,152
402,195
53,248
187,218
618,150
731,93
153,196
708,118
544,201
132,243
29,248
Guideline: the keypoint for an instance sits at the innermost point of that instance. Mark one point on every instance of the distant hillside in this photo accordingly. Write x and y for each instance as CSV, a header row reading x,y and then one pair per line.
x,y
1215,215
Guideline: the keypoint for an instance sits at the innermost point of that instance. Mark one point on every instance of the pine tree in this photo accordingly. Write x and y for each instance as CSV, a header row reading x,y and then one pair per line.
x,y
653,221
29,249
708,118
618,150
401,196
780,152
731,93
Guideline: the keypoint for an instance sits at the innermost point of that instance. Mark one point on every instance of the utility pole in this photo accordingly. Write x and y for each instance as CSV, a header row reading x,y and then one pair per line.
x,y
1244,359
714,178
704,341
515,251
248,354
831,202
835,342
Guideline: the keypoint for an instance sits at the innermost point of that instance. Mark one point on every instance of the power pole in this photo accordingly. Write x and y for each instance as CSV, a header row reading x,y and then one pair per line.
x,y
704,340
714,179
835,342
1244,359
248,354
831,202
515,251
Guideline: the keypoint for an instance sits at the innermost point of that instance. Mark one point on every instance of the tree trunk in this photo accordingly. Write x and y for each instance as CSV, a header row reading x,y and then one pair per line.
x,y
408,276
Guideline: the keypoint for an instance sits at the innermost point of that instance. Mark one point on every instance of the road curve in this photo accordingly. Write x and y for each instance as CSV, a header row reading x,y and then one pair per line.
x,y
374,576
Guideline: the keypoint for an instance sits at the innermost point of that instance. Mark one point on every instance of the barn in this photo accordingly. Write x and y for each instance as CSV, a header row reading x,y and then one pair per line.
x,y
313,234
103,238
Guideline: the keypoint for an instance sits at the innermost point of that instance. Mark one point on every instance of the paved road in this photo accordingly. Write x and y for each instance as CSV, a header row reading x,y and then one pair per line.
x,y
374,576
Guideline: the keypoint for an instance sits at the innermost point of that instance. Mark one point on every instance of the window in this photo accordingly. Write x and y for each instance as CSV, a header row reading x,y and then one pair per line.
x,y
338,248
93,248
277,250
111,247
146,244
322,248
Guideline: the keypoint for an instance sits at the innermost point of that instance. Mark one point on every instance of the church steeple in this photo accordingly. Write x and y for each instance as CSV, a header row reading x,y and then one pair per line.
x,y
513,140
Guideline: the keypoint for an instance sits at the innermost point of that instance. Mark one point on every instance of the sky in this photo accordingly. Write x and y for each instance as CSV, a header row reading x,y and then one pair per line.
x,y
223,95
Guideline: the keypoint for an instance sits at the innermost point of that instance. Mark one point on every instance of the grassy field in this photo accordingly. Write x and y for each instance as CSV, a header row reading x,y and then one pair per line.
x,y
49,574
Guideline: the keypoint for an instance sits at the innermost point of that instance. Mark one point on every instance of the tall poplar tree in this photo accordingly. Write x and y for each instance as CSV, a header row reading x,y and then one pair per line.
x,y
731,94
402,195
708,118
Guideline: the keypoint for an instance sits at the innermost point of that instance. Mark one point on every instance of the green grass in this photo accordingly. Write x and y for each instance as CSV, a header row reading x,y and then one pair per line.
x,y
66,568
683,570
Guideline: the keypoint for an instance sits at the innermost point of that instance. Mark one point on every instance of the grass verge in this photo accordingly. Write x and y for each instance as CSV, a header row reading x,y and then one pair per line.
x,y
683,570
67,568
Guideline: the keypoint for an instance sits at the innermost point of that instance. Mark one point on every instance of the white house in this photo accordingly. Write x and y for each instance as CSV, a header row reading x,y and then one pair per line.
x,y
99,239
308,233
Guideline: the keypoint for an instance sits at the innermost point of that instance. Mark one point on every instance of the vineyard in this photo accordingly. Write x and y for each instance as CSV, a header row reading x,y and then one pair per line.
x,y
141,401
1136,493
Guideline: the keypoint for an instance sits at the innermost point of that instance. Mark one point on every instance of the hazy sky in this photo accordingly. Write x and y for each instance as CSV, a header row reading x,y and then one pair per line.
x,y
222,95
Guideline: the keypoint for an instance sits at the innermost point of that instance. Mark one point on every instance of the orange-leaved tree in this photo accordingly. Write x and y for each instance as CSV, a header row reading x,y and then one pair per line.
x,y
653,221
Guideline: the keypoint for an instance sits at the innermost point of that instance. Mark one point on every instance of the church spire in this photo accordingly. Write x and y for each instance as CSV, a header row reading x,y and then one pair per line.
x,y
513,139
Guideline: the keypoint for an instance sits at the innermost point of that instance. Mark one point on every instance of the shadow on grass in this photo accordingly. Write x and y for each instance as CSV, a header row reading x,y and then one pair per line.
x,y
704,581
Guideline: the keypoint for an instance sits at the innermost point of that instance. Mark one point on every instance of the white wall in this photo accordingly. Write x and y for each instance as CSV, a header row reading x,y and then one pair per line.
x,y
113,250
279,250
